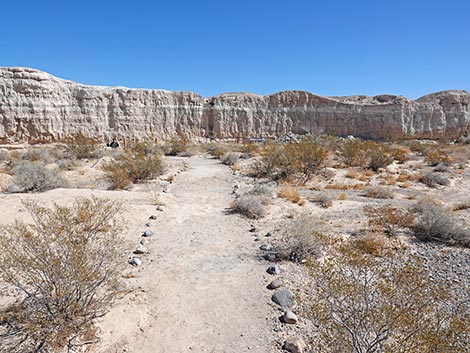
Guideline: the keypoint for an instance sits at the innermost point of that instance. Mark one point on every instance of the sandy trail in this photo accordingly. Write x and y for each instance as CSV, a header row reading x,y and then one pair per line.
x,y
201,288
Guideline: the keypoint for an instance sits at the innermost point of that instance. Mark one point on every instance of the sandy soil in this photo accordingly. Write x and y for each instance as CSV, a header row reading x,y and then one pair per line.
x,y
201,288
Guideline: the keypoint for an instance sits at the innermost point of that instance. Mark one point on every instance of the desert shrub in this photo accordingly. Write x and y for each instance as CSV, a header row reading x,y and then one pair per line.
x,y
289,194
437,156
361,303
272,158
401,155
305,157
441,168
353,153
434,223
324,199
144,147
230,158
249,206
176,145
80,146
379,156
34,177
378,192
371,243
434,179
370,154
132,169
300,240
389,219
65,266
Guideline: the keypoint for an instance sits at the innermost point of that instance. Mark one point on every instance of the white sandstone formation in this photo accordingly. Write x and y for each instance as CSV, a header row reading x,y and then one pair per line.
x,y
36,106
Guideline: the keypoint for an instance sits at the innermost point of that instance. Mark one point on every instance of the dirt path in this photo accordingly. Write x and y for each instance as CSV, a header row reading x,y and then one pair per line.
x,y
201,288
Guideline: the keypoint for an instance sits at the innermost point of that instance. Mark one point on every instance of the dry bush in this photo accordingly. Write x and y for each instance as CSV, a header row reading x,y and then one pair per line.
x,y
290,194
294,159
176,145
80,146
434,179
300,240
324,199
144,147
154,193
34,177
218,150
371,243
342,196
378,192
352,174
437,156
337,186
4,155
249,206
400,154
65,266
230,158
353,153
434,223
380,156
132,169
389,219
361,303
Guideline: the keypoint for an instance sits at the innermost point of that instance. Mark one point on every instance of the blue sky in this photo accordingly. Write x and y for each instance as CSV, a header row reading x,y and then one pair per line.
x,y
326,47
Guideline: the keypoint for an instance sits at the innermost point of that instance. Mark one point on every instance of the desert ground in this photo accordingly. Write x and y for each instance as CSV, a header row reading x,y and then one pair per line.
x,y
201,282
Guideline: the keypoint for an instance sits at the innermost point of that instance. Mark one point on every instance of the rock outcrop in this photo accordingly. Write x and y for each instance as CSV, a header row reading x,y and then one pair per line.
x,y
37,106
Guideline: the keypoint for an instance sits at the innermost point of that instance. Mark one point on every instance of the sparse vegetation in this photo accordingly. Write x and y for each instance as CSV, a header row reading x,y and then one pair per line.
x,y
249,206
324,199
35,177
434,223
437,156
65,266
434,179
300,240
365,304
132,169
290,194
230,158
81,146
378,192
389,219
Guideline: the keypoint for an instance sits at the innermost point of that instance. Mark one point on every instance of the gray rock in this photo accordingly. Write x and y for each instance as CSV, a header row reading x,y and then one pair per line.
x,y
153,217
147,233
274,270
265,247
149,224
269,234
270,257
159,208
284,298
295,345
140,250
135,261
252,230
290,318
275,284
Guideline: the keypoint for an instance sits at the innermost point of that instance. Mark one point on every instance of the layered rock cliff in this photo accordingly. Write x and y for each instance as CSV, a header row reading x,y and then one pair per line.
x,y
37,106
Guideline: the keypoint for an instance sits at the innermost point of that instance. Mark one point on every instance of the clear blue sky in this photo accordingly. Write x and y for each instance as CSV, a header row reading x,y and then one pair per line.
x,y
326,47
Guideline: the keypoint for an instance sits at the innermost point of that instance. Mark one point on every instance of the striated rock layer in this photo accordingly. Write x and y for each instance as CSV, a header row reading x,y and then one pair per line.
x,y
37,106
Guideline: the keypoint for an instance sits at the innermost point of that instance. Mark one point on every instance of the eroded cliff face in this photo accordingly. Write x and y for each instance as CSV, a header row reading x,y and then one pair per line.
x,y
36,106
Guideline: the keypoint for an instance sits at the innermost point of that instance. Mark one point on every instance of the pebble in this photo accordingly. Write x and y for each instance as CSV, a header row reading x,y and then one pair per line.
x,y
153,217
270,257
135,261
274,270
144,241
265,247
252,230
159,208
149,224
284,298
269,234
275,284
147,233
290,318
140,250
295,345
